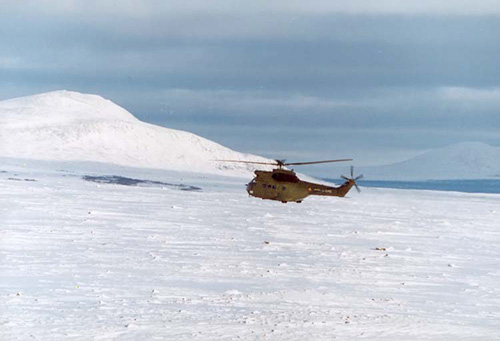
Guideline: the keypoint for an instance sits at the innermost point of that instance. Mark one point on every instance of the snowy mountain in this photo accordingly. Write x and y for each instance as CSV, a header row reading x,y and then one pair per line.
x,y
70,126
467,160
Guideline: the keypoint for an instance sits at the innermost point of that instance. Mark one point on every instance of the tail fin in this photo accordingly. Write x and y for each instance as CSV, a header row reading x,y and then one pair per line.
x,y
346,187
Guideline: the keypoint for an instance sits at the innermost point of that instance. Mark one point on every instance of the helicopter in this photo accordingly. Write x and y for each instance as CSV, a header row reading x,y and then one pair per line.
x,y
283,185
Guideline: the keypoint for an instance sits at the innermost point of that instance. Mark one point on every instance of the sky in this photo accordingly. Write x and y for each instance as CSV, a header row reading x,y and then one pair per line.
x,y
378,81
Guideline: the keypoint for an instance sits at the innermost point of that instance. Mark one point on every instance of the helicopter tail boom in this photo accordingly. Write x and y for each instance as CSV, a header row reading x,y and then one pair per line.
x,y
341,191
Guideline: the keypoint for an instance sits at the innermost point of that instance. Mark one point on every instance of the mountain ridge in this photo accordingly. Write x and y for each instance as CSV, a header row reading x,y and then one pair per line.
x,y
464,160
70,126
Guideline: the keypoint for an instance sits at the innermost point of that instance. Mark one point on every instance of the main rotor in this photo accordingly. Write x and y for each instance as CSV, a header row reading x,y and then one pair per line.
x,y
282,163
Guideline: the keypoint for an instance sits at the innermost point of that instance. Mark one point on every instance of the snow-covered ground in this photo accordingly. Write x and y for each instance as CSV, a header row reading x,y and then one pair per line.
x,y
81,260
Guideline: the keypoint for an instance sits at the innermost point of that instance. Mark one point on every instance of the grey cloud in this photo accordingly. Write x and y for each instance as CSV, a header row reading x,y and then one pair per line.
x,y
446,107
148,8
318,54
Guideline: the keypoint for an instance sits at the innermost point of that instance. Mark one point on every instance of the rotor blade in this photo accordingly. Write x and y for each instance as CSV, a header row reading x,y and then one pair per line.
x,y
344,177
253,162
314,162
352,172
361,176
357,188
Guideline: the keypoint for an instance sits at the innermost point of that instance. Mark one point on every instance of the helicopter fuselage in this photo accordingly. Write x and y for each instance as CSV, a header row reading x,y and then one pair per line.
x,y
284,185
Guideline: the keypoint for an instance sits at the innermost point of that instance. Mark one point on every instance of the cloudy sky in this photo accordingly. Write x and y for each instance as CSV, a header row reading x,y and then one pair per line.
x,y
379,81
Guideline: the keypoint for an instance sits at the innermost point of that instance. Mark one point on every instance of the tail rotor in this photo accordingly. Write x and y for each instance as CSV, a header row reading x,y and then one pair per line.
x,y
354,179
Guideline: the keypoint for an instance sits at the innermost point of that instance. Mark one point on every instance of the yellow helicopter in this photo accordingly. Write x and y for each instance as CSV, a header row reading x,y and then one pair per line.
x,y
283,185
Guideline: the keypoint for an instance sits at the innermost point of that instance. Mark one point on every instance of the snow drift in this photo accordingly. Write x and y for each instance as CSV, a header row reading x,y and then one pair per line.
x,y
70,126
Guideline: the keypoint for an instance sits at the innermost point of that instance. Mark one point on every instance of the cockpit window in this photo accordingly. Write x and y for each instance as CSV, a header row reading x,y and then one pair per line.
x,y
285,177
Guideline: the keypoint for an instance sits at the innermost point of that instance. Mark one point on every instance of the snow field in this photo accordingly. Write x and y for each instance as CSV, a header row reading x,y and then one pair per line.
x,y
81,261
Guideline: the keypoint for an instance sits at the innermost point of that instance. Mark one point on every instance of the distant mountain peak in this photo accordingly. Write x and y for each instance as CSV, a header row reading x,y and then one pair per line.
x,y
60,108
464,160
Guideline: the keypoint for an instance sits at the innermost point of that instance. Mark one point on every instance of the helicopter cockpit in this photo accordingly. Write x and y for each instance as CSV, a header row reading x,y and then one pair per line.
x,y
284,177
250,186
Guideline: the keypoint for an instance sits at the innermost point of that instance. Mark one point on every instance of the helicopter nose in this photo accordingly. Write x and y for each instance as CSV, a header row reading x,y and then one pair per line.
x,y
250,186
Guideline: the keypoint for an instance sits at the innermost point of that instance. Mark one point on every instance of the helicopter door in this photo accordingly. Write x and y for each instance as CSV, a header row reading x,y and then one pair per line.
x,y
264,190
272,191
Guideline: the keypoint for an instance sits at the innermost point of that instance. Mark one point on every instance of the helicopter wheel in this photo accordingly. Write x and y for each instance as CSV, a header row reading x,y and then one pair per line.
x,y
284,202
298,202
